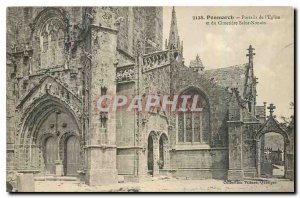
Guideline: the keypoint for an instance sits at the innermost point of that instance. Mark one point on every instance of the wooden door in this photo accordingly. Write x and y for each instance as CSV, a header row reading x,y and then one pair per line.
x,y
72,155
50,155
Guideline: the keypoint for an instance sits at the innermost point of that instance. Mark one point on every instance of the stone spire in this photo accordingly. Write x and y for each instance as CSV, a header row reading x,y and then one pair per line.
x,y
174,42
197,64
249,93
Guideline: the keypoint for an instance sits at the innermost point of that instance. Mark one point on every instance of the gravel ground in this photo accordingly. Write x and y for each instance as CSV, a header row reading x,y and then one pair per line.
x,y
170,185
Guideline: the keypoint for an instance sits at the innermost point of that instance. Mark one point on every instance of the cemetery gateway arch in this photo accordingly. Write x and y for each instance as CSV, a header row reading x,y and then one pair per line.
x,y
271,125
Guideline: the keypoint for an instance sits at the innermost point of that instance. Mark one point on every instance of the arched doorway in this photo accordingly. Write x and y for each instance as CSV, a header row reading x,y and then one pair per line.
x,y
265,165
50,154
272,155
72,156
150,155
163,151
270,126
38,147
61,149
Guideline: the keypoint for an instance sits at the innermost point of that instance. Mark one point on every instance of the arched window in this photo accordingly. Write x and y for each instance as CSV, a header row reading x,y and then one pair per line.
x,y
193,124
44,49
61,46
44,40
52,43
53,46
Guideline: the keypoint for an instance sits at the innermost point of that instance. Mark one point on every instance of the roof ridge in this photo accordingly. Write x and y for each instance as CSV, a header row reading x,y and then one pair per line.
x,y
238,65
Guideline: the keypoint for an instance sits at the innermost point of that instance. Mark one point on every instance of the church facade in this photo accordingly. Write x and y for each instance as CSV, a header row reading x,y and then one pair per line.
x,y
61,60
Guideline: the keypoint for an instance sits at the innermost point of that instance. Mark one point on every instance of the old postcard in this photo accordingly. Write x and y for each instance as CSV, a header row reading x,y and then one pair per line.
x,y
150,99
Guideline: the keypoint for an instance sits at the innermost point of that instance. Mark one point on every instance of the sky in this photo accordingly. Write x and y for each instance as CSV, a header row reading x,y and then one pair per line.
x,y
221,46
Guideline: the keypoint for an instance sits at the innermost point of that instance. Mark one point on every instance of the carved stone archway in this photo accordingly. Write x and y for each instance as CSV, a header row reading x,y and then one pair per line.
x,y
48,118
271,125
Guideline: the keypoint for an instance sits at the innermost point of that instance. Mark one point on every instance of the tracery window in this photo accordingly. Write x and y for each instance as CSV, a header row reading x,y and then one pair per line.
x,y
193,126
52,38
52,47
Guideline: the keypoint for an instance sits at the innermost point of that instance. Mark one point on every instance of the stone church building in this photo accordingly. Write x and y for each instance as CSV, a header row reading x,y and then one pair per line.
x,y
61,60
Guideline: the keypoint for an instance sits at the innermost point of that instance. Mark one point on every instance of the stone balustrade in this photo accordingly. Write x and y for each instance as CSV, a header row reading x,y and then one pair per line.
x,y
155,60
125,74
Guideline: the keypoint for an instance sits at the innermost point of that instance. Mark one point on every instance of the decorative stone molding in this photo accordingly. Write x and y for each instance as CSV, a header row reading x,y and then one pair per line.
x,y
125,74
155,60
242,102
271,125
50,87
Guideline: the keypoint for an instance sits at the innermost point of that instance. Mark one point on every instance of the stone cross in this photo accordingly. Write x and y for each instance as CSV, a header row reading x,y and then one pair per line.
x,y
250,50
271,108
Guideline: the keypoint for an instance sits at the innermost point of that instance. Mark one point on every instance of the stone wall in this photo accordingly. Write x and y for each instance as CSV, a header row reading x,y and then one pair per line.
x,y
26,80
249,149
183,78
210,163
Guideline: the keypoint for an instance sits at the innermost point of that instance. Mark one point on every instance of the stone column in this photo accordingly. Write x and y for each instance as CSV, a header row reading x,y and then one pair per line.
x,y
289,161
155,157
141,165
59,169
101,146
166,155
258,157
172,138
25,182
285,159
235,171
140,128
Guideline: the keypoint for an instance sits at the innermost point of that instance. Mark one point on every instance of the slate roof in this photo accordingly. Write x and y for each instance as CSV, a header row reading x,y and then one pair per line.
x,y
231,77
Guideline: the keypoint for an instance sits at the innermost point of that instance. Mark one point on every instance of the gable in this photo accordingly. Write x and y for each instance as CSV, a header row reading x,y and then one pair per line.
x,y
53,87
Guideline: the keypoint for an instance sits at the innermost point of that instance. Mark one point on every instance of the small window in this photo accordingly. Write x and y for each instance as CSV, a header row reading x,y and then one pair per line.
x,y
103,91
